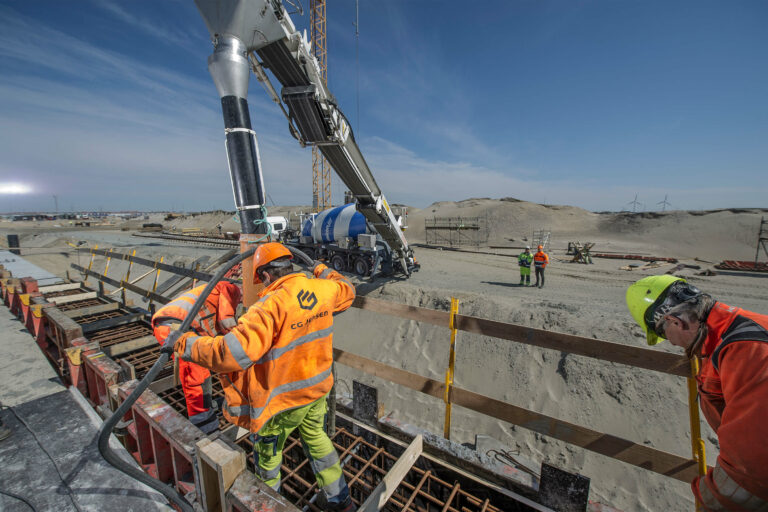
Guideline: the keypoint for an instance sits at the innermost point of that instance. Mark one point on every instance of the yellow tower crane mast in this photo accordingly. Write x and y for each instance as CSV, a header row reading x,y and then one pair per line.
x,y
321,170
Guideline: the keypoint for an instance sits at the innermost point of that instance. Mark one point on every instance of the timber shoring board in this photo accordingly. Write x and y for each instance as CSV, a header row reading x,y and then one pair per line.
x,y
627,451
598,349
149,263
124,284
389,484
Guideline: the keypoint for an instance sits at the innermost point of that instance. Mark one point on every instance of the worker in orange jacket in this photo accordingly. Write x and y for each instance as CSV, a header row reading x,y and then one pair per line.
x,y
276,366
732,345
540,262
216,316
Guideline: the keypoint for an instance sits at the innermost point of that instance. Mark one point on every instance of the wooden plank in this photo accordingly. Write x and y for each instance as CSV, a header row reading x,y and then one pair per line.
x,y
128,286
381,494
59,287
120,349
430,316
219,464
160,385
111,322
66,299
92,310
664,362
642,456
154,264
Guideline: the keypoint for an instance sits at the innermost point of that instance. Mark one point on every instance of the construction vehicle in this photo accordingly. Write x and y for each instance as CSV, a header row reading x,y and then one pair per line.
x,y
258,35
343,237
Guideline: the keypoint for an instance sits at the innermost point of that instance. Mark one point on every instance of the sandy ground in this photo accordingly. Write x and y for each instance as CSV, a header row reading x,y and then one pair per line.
x,y
587,300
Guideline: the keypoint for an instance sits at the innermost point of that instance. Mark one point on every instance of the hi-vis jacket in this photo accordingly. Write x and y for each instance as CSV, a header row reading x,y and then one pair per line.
x,y
733,386
525,259
279,355
540,259
217,316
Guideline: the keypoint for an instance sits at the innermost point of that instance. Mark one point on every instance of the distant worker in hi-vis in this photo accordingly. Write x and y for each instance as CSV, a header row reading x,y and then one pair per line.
x,y
732,346
217,316
540,262
524,261
275,367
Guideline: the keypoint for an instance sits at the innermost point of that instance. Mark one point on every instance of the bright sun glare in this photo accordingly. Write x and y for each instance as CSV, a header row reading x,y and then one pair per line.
x,y
14,188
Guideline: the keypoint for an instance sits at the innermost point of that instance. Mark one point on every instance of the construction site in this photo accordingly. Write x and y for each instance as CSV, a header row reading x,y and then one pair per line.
x,y
455,388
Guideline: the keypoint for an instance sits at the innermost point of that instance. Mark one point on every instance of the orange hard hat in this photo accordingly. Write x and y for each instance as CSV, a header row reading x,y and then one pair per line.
x,y
540,247
267,254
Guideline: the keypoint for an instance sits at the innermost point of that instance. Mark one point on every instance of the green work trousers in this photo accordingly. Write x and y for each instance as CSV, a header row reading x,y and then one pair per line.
x,y
323,458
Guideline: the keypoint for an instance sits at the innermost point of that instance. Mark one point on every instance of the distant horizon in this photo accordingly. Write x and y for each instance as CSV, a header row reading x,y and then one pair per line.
x,y
501,199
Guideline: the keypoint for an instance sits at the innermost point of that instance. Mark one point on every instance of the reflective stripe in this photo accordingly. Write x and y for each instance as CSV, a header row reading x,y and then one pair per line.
x,y
268,474
254,413
708,499
335,488
729,488
324,463
187,355
277,352
236,349
324,273
229,322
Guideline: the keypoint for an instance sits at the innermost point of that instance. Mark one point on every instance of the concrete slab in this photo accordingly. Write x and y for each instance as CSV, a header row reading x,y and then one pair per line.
x,y
20,267
25,373
51,459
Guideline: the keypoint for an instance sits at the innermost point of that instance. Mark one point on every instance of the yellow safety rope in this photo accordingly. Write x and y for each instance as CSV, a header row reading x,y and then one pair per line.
x,y
697,444
451,365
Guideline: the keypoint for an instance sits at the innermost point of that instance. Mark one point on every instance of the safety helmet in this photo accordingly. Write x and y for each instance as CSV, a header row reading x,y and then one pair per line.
x,y
528,247
540,247
652,297
265,256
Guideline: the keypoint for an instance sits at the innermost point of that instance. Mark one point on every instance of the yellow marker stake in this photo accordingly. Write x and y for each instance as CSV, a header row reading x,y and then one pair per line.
x,y
109,258
697,444
157,275
93,256
451,366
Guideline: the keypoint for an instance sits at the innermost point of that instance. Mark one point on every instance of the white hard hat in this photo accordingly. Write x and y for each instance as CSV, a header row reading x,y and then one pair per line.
x,y
528,247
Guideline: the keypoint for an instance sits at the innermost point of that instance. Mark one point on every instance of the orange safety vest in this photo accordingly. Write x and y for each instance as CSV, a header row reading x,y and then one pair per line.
x,y
280,354
733,387
216,316
540,259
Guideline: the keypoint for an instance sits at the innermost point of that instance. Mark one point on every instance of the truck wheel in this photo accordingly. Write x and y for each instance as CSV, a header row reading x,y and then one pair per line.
x,y
337,263
362,267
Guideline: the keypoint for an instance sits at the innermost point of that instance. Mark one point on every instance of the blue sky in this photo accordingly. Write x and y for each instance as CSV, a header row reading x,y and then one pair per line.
x,y
109,104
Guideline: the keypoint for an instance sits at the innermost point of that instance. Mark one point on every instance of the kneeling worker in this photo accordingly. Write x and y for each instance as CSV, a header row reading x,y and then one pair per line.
x,y
217,316
276,366
732,344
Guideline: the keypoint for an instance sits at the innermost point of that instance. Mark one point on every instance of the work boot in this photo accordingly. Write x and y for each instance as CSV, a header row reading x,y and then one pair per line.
x,y
4,431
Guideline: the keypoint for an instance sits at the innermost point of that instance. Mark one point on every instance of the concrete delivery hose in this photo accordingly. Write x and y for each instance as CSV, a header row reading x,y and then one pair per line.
x,y
106,428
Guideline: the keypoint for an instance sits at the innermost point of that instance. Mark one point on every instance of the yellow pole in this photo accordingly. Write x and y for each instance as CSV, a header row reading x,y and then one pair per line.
x,y
697,444
154,285
128,274
93,256
106,269
451,366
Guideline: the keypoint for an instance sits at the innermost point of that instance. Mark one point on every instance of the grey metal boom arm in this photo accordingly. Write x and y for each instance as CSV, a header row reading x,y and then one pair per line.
x,y
265,28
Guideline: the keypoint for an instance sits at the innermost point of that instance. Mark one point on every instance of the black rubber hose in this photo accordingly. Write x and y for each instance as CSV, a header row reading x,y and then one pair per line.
x,y
106,428
309,262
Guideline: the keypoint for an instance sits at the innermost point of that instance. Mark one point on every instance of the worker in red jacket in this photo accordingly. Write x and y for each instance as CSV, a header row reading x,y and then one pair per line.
x,y
732,345
216,316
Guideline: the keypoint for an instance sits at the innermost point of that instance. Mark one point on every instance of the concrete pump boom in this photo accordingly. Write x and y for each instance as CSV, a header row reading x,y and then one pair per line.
x,y
261,33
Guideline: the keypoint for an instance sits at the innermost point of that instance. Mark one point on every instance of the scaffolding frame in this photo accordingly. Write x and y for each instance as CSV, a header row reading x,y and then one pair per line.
x,y
456,231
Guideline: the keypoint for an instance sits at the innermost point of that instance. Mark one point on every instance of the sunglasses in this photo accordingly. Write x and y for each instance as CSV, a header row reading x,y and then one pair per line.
x,y
676,293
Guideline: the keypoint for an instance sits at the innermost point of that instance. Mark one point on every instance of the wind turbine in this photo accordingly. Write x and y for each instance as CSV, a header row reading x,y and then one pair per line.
x,y
664,203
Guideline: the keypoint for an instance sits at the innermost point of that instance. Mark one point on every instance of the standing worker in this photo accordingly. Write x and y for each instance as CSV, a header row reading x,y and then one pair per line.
x,y
217,316
732,345
277,366
540,262
524,261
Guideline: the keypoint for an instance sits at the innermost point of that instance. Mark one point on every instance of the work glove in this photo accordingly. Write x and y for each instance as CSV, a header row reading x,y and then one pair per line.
x,y
316,264
170,341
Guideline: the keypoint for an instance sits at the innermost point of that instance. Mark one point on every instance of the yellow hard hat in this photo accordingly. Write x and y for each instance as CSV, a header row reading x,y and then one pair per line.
x,y
644,297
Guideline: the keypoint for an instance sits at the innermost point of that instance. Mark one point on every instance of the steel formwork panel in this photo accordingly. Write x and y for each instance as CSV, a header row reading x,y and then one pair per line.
x,y
114,335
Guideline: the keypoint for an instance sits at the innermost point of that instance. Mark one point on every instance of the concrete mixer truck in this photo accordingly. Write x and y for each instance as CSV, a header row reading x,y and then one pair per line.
x,y
343,237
